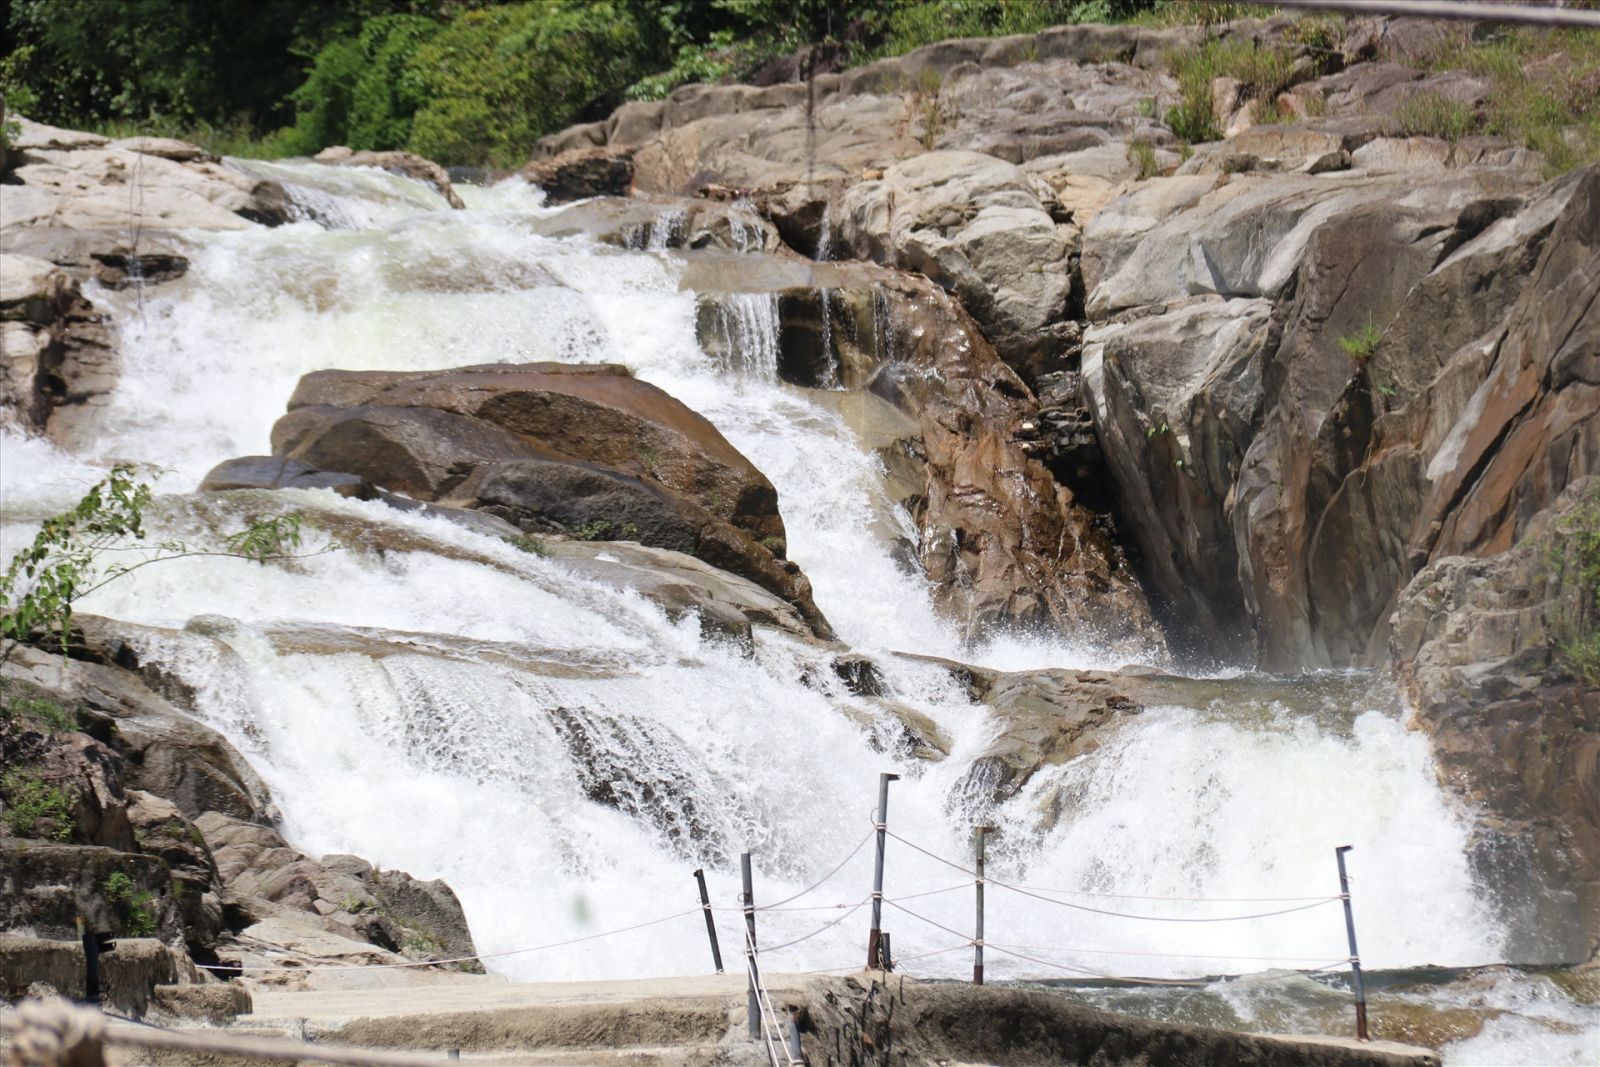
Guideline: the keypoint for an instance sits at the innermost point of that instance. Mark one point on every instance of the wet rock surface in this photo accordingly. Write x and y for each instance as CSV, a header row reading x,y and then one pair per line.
x,y
587,451
122,808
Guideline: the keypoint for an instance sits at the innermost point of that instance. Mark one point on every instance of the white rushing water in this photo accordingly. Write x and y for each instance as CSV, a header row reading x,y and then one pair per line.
x,y
434,757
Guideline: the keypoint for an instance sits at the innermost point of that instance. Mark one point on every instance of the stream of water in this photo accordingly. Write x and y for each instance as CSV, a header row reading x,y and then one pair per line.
x,y
432,757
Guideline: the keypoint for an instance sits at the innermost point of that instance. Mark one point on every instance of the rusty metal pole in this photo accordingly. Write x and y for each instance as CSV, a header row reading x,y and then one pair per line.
x,y
977,933
877,871
752,1000
711,925
1355,956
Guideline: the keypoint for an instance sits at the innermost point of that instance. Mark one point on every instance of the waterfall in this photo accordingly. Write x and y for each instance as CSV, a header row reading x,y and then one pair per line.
x,y
572,781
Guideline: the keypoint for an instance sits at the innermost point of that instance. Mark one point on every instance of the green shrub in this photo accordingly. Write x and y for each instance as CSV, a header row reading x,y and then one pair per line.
x,y
46,713
1363,343
1263,72
498,79
35,808
1142,154
132,906
1430,114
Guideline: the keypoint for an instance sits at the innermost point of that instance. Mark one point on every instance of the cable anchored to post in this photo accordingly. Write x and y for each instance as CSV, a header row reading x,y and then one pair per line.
x,y
1355,956
882,825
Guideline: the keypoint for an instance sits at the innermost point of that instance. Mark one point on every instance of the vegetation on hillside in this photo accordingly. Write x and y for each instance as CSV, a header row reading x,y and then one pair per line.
x,y
479,81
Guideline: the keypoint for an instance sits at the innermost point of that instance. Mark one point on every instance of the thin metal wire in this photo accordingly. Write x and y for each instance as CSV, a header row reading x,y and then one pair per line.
x,y
1315,901
824,927
1454,9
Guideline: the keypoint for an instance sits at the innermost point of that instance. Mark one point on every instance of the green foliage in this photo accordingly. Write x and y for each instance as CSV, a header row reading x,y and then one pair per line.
x,y
34,808
1142,154
47,713
714,61
217,61
1544,89
66,560
363,91
1430,114
1577,553
606,530
496,80
132,906
531,545
1263,73
1363,343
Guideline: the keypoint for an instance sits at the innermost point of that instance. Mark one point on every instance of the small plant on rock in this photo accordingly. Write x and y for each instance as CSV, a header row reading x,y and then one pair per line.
x,y
1363,343
66,560
1578,625
131,905
1142,154
34,808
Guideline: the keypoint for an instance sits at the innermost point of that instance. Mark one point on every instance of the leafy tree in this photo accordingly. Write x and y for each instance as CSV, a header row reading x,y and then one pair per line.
x,y
67,559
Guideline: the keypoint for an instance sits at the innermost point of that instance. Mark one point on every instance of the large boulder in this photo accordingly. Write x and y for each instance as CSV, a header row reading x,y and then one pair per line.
x,y
588,451
68,179
406,164
1479,643
1291,424
976,225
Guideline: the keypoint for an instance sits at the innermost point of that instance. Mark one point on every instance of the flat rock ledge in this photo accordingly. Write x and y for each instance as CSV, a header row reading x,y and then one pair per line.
x,y
853,1019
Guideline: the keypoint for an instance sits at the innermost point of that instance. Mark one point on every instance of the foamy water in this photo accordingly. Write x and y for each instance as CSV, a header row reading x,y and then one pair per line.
x,y
447,761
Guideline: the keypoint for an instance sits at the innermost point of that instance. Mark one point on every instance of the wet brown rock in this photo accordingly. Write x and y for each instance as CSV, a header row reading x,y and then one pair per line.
x,y
551,448
580,173
1002,541
57,349
406,164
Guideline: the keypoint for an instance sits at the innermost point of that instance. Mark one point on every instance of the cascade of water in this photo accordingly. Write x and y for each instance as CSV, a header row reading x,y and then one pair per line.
x,y
746,335
561,801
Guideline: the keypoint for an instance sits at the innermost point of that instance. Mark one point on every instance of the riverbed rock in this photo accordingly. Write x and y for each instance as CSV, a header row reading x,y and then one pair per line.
x,y
59,352
1480,645
406,164
586,450
344,896
64,179
580,173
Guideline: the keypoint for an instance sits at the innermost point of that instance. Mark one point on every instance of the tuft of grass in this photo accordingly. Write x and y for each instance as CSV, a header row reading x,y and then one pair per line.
x,y
531,545
1142,154
1430,114
1578,621
46,713
1363,343
1544,89
35,808
1263,71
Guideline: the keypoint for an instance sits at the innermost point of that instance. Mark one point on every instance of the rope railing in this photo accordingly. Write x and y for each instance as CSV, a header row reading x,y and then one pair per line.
x,y
1037,892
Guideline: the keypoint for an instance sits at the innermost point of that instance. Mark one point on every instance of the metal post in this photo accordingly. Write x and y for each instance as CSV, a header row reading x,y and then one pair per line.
x,y
796,1052
877,871
91,962
977,933
711,925
1355,956
885,954
752,1000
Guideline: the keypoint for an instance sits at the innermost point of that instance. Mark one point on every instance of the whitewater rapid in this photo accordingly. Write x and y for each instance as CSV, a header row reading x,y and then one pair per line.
x,y
451,764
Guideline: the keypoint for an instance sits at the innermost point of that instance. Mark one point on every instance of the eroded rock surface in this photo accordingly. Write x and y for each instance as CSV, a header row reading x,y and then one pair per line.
x,y
581,450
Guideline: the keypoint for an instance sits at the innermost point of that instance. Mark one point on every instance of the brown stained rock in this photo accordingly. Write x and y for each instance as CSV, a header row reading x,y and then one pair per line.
x,y
58,350
1477,642
1001,540
586,450
581,173
406,164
